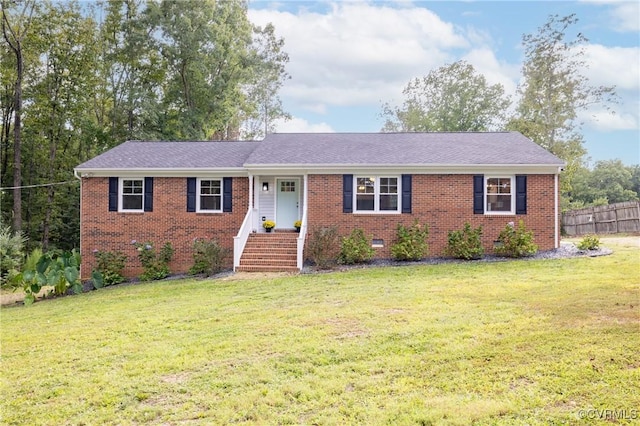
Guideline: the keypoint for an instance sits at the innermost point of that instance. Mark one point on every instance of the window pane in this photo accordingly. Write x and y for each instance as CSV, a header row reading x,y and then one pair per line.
x,y
499,203
132,187
366,185
210,202
132,202
210,187
364,202
389,202
388,185
493,185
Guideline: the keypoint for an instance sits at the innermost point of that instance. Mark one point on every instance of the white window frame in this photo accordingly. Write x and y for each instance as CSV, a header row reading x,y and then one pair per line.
x,y
199,195
376,194
512,209
121,196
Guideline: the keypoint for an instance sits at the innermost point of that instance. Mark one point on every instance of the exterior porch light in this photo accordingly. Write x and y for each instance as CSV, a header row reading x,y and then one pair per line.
x,y
265,186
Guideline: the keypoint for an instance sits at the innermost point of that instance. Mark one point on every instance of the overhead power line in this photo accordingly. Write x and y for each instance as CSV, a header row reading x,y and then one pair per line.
x,y
40,185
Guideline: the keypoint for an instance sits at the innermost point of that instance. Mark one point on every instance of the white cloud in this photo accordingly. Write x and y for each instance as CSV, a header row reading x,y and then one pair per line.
x,y
300,125
625,14
619,66
496,72
358,53
603,120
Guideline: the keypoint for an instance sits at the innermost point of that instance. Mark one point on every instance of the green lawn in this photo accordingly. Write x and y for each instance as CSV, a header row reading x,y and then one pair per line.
x,y
520,342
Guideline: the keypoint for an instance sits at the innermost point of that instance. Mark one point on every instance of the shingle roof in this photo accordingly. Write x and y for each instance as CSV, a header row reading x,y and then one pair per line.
x,y
308,150
459,148
173,155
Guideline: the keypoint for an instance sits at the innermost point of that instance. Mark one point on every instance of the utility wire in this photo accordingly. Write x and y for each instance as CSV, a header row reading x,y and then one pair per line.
x,y
39,185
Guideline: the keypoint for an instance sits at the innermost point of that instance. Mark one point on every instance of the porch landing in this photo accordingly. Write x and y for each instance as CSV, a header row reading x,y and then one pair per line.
x,y
270,252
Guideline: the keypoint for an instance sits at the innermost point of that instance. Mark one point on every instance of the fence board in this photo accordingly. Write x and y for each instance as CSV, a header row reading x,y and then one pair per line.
x,y
610,219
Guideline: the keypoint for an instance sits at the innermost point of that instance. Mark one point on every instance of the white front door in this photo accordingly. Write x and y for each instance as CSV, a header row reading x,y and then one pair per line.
x,y
287,202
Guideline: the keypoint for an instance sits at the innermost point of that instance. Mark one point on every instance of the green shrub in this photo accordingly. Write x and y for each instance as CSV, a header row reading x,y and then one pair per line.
x,y
11,253
356,248
59,270
589,242
411,242
322,247
516,241
208,257
109,266
155,265
465,243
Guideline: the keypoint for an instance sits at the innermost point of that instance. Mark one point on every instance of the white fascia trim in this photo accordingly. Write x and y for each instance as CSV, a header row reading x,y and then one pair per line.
x,y
187,172
406,169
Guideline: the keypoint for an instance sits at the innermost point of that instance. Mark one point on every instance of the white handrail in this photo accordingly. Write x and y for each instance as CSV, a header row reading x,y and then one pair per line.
x,y
301,239
303,226
240,240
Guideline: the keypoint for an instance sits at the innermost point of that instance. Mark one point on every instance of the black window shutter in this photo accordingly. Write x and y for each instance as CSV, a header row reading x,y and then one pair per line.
x,y
478,194
191,194
227,193
347,193
113,194
148,194
521,194
406,193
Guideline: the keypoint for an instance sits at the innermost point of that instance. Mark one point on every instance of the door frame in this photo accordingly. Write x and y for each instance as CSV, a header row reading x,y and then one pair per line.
x,y
277,191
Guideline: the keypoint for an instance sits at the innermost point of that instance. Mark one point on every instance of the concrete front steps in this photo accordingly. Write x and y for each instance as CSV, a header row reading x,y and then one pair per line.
x,y
270,252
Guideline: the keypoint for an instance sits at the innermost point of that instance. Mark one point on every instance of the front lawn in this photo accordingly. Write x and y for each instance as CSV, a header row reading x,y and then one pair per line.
x,y
519,342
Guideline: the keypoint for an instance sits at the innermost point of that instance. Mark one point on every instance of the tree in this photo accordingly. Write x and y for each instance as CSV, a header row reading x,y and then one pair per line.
x,y
610,181
451,98
555,90
14,30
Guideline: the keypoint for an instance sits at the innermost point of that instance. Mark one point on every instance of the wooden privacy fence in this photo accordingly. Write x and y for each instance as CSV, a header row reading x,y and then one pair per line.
x,y
610,219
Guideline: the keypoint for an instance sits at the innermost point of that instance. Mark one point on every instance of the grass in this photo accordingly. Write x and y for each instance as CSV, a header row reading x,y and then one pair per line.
x,y
519,342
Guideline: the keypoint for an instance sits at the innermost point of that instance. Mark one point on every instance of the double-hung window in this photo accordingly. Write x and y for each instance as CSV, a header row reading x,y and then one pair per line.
x,y
209,195
132,195
377,194
499,196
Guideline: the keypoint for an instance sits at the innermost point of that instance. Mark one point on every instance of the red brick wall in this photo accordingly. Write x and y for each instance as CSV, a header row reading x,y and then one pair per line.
x,y
168,222
444,202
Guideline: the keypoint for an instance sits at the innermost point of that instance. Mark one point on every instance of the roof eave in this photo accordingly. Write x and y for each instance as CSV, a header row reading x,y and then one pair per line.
x,y
162,172
406,168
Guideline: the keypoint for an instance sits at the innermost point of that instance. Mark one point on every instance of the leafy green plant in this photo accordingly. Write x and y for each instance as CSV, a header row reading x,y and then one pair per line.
x,y
323,246
58,270
208,257
465,243
109,266
516,241
11,253
411,242
355,248
589,242
155,265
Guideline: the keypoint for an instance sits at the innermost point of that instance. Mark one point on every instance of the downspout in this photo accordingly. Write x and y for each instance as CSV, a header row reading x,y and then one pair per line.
x,y
77,176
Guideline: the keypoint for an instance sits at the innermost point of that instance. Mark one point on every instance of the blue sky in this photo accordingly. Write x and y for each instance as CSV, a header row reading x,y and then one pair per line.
x,y
349,57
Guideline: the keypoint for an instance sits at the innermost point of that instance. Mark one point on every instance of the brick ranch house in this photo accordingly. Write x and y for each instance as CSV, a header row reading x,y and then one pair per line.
x,y
178,191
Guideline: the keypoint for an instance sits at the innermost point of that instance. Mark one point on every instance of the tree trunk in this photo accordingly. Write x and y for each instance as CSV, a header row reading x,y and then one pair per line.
x,y
17,145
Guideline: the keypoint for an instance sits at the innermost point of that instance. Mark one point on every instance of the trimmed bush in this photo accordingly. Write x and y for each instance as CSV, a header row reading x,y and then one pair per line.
x,y
411,242
156,266
589,242
109,266
516,241
356,248
465,243
323,246
208,257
